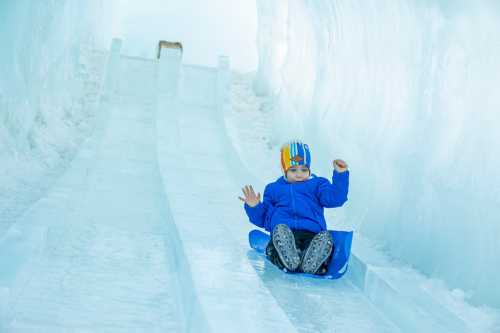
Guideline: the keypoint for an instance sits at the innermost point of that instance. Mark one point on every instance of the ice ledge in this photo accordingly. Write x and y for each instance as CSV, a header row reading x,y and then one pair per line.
x,y
408,298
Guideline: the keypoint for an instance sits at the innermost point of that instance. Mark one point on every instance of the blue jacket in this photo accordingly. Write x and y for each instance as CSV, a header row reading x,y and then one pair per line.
x,y
299,205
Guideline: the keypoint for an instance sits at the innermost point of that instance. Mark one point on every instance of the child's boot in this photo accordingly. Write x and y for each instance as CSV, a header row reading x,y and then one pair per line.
x,y
284,242
318,251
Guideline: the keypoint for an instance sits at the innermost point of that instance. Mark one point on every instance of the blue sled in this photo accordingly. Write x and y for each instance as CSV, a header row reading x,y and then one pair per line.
x,y
337,266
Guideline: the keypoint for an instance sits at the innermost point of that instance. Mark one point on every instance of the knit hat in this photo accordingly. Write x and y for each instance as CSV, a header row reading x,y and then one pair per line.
x,y
295,153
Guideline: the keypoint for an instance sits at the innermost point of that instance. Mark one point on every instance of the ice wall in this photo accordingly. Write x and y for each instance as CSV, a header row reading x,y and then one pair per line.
x,y
406,92
49,83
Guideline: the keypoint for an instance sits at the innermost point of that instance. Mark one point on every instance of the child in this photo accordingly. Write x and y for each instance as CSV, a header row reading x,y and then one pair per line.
x,y
292,211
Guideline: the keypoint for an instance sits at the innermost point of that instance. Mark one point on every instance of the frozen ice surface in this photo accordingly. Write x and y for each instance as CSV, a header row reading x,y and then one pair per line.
x,y
143,230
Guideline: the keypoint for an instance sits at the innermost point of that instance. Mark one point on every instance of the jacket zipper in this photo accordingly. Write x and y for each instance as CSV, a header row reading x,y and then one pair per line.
x,y
293,206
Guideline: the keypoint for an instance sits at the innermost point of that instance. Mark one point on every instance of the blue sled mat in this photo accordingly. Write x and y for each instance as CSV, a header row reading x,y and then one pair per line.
x,y
336,267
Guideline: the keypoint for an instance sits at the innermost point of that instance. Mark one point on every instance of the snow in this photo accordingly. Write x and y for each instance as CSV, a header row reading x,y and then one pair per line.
x,y
49,86
120,173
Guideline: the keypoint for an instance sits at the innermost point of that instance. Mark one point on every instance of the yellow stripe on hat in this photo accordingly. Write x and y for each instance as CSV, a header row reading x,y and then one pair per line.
x,y
285,158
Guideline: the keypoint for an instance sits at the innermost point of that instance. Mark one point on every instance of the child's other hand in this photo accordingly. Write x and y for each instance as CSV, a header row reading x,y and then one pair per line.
x,y
339,165
250,198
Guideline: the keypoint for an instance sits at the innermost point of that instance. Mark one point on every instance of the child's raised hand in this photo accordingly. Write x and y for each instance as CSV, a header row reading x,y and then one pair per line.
x,y
250,198
339,165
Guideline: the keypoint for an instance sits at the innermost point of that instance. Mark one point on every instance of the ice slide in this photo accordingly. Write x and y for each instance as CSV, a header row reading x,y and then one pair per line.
x,y
144,233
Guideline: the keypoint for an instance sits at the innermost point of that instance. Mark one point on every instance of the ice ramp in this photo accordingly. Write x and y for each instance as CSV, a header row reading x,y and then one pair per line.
x,y
237,290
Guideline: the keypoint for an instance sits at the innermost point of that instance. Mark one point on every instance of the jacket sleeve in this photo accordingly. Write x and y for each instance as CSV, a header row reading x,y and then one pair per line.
x,y
334,194
258,214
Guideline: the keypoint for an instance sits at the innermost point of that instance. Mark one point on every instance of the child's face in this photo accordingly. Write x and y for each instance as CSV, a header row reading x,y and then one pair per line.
x,y
297,174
